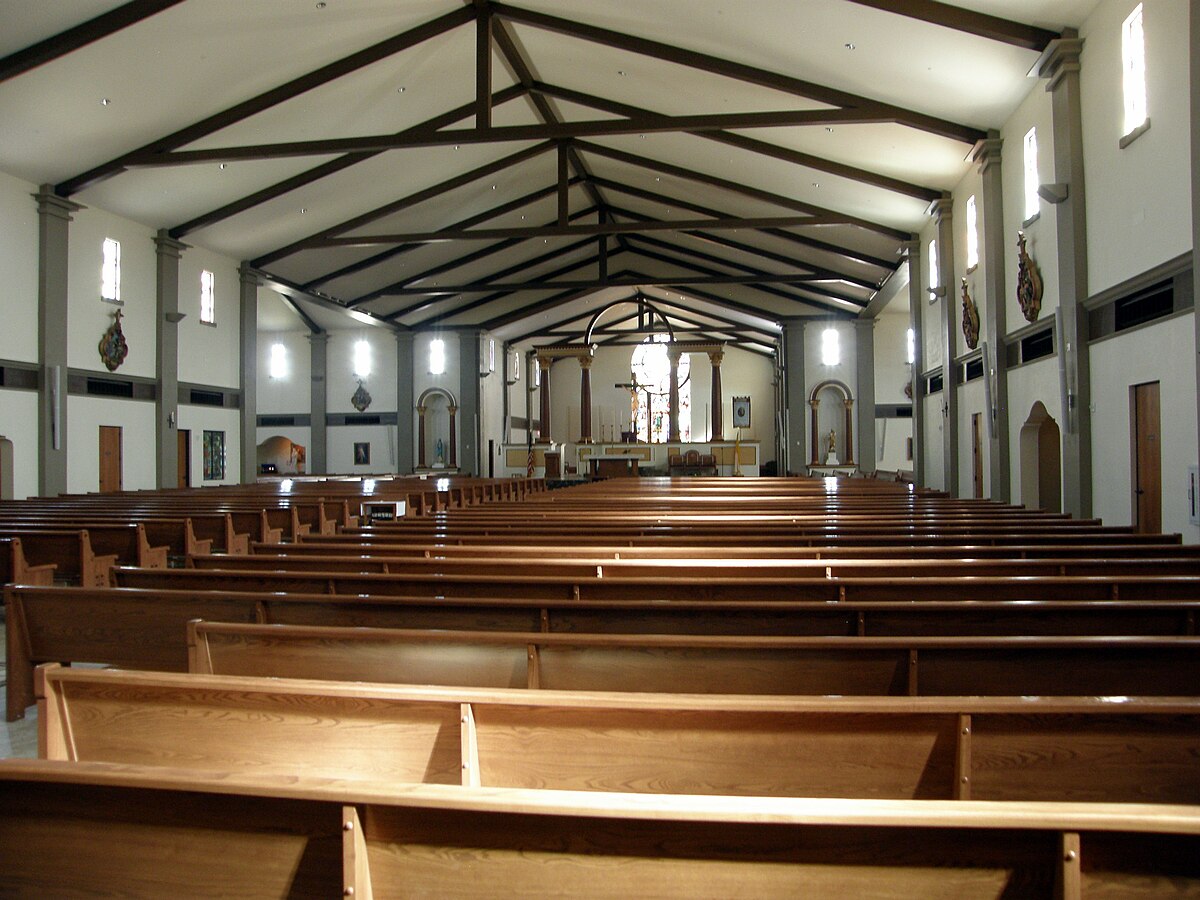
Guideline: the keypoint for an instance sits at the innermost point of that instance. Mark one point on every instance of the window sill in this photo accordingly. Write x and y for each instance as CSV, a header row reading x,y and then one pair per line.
x,y
1031,219
1134,135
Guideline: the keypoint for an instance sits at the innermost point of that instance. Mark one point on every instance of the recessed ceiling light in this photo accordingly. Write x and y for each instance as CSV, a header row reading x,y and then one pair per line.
x,y
493,187
829,128
620,71
456,146
321,5
224,165
400,90
849,46
303,210
816,184
104,101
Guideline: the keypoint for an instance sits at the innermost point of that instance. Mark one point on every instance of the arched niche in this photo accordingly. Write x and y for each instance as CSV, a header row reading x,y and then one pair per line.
x,y
437,429
1041,461
832,412
281,455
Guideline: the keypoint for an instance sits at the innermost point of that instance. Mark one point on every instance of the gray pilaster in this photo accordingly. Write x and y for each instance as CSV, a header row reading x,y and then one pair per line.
x,y
54,217
166,358
991,245
796,457
318,450
468,401
1195,179
864,347
248,332
406,403
1060,65
916,306
943,218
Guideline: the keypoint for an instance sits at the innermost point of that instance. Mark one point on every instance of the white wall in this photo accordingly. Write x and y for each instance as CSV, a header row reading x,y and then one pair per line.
x,y
209,354
292,393
88,317
1028,384
19,413
970,402
19,270
423,380
1138,198
206,418
1164,352
85,415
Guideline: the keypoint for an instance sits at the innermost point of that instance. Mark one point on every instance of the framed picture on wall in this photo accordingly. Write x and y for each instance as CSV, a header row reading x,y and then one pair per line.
x,y
362,453
741,412
214,455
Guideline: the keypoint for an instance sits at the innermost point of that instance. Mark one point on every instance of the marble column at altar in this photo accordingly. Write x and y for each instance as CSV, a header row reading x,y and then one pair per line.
x,y
716,357
817,459
849,431
420,437
585,399
453,463
673,354
544,366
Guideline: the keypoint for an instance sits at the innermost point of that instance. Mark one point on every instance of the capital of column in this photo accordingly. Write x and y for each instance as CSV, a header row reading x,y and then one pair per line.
x,y
849,403
941,210
674,352
249,275
544,362
814,403
716,357
1059,59
986,153
453,410
318,337
165,245
50,204
585,362
404,337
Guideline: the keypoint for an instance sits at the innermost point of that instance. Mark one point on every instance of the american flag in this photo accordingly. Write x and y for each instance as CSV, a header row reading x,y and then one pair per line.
x,y
529,461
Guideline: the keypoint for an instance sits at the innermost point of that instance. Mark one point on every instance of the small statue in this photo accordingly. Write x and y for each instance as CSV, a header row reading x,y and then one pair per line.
x,y
831,443
440,452
1029,281
970,319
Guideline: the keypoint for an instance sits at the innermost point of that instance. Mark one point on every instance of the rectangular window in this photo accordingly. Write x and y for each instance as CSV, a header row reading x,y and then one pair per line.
x,y
110,271
1133,65
831,352
1031,174
972,233
362,359
933,265
437,357
208,302
279,365
911,350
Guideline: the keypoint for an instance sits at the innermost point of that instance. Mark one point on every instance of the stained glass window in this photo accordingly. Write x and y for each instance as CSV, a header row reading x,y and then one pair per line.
x,y
651,369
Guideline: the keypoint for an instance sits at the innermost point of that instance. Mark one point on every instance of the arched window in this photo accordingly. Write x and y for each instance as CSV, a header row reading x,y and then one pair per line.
x,y
651,369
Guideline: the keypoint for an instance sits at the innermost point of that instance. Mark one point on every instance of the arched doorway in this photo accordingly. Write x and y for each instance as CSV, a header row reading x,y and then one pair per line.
x,y
279,455
831,424
437,430
1041,461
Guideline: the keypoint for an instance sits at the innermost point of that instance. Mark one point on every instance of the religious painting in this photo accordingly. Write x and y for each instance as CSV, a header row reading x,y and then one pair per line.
x,y
362,453
970,317
741,412
214,455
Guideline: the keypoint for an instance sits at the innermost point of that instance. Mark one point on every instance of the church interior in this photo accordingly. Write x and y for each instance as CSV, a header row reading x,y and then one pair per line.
x,y
684,448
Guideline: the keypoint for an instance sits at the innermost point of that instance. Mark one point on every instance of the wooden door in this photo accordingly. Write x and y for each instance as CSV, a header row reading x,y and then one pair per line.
x,y
977,453
110,458
185,457
1147,459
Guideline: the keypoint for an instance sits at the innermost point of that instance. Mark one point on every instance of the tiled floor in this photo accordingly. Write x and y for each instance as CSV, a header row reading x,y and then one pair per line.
x,y
16,738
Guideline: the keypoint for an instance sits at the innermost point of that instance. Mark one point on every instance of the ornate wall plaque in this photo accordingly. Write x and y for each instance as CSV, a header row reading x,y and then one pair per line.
x,y
113,348
970,318
1029,281
360,399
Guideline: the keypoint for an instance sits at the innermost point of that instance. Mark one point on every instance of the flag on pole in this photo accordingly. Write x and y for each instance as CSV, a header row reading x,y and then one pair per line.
x,y
529,459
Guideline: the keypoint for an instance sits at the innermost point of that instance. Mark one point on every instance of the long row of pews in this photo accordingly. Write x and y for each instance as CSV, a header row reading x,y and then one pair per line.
x,y
634,687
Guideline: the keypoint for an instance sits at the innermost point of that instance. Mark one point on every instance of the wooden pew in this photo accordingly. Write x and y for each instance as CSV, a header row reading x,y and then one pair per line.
x,y
151,832
70,552
15,569
720,664
1076,749
144,629
603,586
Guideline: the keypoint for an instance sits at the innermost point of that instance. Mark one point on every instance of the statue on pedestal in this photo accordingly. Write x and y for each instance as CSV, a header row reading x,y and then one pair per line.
x,y
831,457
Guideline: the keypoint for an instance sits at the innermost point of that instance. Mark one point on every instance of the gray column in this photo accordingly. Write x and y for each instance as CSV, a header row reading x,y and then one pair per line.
x,y
468,401
991,245
864,352
318,450
54,216
406,402
1060,65
916,306
248,305
796,456
674,353
943,217
166,362
1195,178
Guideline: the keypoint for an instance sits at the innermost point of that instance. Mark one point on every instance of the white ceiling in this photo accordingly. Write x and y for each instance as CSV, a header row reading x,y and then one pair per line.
x,y
87,106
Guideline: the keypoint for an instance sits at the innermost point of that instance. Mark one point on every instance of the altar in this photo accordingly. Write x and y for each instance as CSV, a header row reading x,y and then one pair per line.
x,y
613,465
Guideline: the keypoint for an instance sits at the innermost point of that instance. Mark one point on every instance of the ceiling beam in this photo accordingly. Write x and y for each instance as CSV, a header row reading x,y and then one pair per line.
x,y
325,169
540,285
294,306
539,306
646,162
483,64
497,134
795,157
72,39
295,292
739,71
994,28
412,199
270,98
